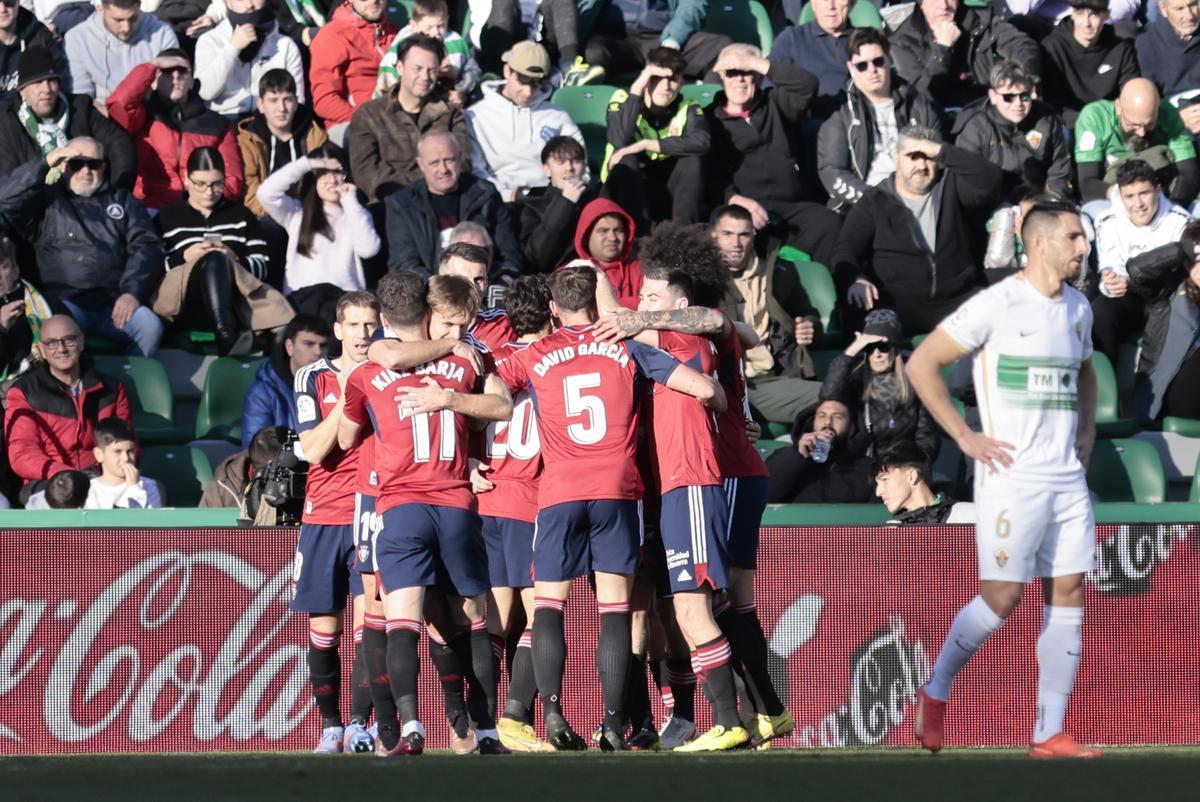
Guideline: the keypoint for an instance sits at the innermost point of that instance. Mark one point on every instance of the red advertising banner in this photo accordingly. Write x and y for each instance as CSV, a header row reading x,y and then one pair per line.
x,y
156,640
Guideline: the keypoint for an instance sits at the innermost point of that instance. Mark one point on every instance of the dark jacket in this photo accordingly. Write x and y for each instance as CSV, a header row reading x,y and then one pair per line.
x,y
412,226
547,223
1035,152
845,478
755,156
48,430
382,140
811,48
89,250
936,513
17,147
1171,63
955,76
31,33
846,144
180,14
624,111
1172,326
879,242
1073,75
294,23
270,400
883,422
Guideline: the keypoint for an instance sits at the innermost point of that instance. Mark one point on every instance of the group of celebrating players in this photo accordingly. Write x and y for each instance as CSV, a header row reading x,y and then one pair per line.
x,y
467,466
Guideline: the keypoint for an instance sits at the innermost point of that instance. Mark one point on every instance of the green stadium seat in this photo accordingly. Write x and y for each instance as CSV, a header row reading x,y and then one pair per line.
x,y
182,472
95,344
1109,422
150,395
789,254
742,21
818,283
701,93
399,12
1127,471
863,14
1187,427
219,416
588,107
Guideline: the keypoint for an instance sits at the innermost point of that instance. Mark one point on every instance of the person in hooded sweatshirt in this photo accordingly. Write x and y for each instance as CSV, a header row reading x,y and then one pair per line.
x,y
20,31
514,120
106,47
604,238
1083,60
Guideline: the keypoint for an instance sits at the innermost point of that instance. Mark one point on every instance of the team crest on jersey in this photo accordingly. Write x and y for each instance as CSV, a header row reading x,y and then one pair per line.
x,y
363,553
1001,557
1034,138
306,409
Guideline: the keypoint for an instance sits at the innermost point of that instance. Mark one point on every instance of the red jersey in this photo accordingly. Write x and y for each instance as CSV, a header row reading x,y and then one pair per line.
x,y
422,458
493,329
683,433
329,493
737,455
514,451
588,397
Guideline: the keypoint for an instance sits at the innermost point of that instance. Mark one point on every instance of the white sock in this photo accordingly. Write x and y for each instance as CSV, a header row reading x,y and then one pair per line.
x,y
971,627
1058,651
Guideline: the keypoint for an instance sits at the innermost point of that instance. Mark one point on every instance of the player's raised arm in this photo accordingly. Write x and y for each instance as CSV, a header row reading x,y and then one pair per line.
x,y
1085,432
705,389
494,403
396,355
697,320
924,369
320,440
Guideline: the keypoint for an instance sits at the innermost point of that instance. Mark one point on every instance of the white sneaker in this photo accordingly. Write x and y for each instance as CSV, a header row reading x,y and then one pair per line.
x,y
676,732
331,741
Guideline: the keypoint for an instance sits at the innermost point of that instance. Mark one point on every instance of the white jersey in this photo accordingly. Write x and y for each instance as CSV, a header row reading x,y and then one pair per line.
x,y
1028,352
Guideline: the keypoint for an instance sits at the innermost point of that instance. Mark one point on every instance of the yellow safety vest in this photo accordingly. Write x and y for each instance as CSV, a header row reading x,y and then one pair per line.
x,y
645,130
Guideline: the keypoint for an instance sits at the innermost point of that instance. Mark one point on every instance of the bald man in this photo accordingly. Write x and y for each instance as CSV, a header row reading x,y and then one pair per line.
x,y
1137,124
421,216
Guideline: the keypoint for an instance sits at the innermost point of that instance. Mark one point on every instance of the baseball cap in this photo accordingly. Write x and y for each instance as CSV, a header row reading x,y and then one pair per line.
x,y
1095,5
529,59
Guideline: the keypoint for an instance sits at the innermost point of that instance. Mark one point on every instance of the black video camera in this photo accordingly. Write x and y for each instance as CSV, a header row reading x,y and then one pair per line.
x,y
280,484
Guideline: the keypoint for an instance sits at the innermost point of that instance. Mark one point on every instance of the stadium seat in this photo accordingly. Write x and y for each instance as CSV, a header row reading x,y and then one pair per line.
x,y
1127,470
181,471
863,14
742,21
150,395
1186,427
701,93
1109,422
399,12
588,107
818,283
220,414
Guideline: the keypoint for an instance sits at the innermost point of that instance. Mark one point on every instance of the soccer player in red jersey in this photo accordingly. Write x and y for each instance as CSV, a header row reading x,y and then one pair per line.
x,y
506,481
491,326
588,404
323,570
430,533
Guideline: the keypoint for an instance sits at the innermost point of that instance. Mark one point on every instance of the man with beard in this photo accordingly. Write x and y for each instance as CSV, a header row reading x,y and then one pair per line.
x,y
828,463
1137,123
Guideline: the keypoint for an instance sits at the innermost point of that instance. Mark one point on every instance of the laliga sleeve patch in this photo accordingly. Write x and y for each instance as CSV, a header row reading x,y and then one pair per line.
x,y
1087,141
306,409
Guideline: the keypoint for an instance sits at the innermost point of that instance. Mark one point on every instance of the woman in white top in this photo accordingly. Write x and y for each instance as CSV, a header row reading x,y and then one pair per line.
x,y
329,230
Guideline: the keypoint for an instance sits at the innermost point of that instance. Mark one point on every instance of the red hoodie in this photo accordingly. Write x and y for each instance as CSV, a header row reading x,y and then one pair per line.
x,y
625,273
345,63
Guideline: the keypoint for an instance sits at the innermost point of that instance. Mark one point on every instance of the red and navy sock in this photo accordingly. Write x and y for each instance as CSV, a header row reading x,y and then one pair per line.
x,y
741,626
710,661
374,646
325,671
612,662
682,682
403,665
449,666
549,652
522,687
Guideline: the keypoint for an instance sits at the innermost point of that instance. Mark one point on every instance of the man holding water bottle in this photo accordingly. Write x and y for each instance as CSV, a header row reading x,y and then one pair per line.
x,y
828,463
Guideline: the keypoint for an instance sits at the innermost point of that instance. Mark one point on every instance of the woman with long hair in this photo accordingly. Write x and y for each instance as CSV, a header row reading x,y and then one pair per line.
x,y
216,261
329,230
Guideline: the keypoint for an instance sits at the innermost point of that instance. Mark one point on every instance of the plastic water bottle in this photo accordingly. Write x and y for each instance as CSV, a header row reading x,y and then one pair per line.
x,y
1002,244
820,451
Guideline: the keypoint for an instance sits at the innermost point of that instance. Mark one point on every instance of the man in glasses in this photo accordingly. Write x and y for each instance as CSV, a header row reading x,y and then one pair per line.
x,y
52,410
910,244
97,252
384,134
1018,133
108,45
513,121
856,147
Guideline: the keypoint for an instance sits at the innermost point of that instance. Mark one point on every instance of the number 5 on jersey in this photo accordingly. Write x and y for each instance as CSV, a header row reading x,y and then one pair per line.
x,y
577,404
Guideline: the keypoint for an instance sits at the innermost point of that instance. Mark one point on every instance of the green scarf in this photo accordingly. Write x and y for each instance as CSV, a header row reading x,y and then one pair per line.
x,y
36,312
48,135
305,12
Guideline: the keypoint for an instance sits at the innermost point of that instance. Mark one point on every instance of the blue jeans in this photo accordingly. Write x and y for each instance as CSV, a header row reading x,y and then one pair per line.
x,y
140,335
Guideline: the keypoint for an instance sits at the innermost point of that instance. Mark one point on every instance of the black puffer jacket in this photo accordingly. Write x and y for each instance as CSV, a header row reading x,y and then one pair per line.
x,y
956,76
1158,277
1035,152
846,144
883,422
845,478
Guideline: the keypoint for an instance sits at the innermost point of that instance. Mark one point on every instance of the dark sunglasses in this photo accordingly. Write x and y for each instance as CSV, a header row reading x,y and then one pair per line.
x,y
1011,97
529,80
9,3
739,73
176,71
878,61
882,347
95,165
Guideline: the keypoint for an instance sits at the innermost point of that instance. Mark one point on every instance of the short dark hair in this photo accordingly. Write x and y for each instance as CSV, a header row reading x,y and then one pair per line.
x,y
574,288
422,41
684,257
265,444
67,490
276,80
359,299
170,52
1134,171
124,5
861,37
904,454
307,322
564,148
740,213
527,304
668,57
467,251
114,430
1044,217
401,295
454,292
1010,72
206,158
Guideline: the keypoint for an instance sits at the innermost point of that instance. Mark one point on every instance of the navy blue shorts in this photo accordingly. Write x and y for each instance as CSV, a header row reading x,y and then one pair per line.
x,y
747,500
422,545
322,567
366,529
574,538
694,525
509,551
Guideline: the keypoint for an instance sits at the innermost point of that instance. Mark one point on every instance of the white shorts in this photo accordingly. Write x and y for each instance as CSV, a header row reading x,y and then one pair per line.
x,y
1024,531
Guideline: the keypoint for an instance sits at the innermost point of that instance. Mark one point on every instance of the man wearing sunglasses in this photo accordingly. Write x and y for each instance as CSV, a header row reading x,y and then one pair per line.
x,y
1018,133
97,252
856,146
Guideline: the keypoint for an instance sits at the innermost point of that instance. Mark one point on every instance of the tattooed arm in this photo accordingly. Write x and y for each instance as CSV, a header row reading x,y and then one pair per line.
x,y
689,320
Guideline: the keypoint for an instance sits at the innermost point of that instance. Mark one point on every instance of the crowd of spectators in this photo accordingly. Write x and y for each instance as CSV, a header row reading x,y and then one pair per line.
x,y
236,166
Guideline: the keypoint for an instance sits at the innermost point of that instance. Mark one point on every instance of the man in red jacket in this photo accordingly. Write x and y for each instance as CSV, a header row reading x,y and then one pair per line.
x,y
604,238
51,411
345,62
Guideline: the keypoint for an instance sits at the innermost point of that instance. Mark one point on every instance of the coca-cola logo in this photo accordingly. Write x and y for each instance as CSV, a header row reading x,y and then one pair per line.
x,y
251,684
1127,559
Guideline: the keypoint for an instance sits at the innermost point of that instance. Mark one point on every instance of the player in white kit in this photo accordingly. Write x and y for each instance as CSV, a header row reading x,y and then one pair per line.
x,y
1036,389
